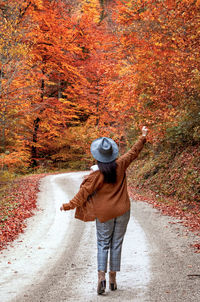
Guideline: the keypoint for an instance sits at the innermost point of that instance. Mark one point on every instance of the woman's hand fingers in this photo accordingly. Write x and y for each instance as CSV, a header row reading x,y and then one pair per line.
x,y
144,130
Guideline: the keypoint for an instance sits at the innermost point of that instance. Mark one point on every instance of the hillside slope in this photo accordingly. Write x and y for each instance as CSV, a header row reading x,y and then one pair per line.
x,y
171,173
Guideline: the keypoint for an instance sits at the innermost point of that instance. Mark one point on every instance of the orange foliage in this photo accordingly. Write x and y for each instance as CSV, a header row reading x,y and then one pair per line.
x,y
91,68
159,50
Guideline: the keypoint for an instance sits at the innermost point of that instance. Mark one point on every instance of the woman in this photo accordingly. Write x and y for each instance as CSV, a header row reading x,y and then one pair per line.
x,y
103,197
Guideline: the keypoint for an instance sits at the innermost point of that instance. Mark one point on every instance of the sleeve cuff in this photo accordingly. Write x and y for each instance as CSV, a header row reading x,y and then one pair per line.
x,y
143,138
66,206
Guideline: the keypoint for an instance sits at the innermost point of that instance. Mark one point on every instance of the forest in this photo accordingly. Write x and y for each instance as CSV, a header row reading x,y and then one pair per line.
x,y
71,71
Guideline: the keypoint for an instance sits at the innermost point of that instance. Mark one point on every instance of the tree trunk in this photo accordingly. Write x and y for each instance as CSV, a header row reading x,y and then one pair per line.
x,y
2,116
36,124
34,148
97,105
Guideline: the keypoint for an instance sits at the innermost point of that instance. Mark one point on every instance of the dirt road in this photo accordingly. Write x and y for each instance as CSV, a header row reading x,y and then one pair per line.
x,y
55,259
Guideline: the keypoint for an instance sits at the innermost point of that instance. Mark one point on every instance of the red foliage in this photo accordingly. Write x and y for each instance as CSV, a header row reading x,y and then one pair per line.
x,y
188,214
18,205
196,246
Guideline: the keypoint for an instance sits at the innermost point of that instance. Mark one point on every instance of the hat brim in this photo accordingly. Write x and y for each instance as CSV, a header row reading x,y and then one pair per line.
x,y
101,157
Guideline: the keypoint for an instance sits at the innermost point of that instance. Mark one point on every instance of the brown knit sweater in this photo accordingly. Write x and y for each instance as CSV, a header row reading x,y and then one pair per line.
x,y
104,201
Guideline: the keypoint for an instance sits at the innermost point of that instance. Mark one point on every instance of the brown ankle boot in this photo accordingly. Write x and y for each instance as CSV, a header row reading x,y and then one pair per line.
x,y
101,283
112,281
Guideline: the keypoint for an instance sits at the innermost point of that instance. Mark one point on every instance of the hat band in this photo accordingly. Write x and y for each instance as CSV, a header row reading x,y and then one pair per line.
x,y
105,151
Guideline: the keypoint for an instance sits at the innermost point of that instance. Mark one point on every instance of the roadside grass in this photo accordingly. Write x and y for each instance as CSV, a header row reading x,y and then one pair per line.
x,y
6,201
170,174
7,204
170,182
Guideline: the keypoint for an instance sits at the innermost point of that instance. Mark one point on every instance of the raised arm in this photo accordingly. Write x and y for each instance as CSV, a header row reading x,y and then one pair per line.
x,y
125,160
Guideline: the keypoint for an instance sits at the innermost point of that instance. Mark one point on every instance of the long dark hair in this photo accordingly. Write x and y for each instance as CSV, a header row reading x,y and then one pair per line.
x,y
109,171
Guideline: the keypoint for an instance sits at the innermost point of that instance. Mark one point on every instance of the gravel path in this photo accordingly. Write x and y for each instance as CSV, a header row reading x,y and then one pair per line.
x,y
55,259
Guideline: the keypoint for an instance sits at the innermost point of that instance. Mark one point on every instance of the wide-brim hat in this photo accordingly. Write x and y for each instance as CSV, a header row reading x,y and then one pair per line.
x,y
104,149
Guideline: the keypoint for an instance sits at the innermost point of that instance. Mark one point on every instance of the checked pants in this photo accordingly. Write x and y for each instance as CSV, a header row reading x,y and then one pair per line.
x,y
110,235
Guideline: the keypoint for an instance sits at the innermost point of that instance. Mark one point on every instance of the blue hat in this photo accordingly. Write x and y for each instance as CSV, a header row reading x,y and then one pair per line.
x,y
104,149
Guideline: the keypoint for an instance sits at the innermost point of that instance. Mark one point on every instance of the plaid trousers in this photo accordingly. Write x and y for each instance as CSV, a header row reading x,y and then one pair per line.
x,y
110,235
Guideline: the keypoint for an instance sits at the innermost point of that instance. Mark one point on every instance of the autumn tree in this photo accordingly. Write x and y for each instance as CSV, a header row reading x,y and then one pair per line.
x,y
73,71
13,86
159,59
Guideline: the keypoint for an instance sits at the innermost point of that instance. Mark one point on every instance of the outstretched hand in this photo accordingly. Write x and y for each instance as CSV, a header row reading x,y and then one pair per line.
x,y
65,207
144,131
